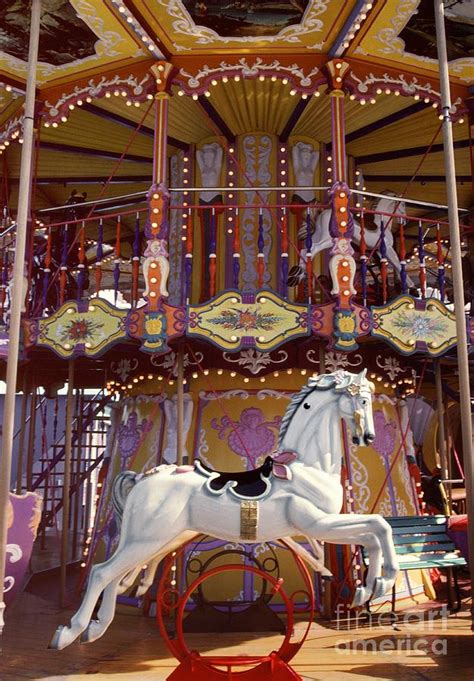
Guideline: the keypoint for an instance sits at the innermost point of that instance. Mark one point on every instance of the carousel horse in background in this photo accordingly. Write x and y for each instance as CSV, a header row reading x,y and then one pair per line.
x,y
297,491
322,239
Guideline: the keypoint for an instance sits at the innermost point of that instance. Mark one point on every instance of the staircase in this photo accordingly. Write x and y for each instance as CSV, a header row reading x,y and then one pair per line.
x,y
89,434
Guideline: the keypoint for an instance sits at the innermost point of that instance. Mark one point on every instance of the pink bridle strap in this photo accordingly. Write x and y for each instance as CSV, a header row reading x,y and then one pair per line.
x,y
281,460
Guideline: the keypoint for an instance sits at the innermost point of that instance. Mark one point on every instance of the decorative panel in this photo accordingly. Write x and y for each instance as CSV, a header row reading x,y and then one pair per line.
x,y
232,320
413,325
86,328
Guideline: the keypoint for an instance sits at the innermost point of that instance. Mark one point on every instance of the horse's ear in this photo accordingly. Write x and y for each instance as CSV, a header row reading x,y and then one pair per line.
x,y
363,374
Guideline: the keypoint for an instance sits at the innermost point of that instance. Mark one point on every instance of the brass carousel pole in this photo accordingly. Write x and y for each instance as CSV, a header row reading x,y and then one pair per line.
x,y
18,292
459,303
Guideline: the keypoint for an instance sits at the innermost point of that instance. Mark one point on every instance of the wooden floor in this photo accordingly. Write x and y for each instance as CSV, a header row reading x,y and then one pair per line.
x,y
132,649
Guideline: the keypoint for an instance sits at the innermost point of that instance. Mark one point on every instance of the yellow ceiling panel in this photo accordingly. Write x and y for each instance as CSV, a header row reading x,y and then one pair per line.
x,y
187,121
316,119
253,105
60,164
417,130
88,130
433,164
434,192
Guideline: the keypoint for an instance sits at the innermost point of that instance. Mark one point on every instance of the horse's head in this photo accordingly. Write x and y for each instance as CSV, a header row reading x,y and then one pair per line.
x,y
389,203
355,404
351,400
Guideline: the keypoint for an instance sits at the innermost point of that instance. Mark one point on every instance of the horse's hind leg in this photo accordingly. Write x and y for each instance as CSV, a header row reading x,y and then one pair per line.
x,y
124,560
129,579
98,627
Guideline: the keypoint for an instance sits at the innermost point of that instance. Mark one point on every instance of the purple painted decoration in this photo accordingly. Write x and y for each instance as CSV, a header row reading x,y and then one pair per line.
x,y
188,264
23,518
136,238
284,253
236,251
363,277
261,256
65,245
116,279
403,257
384,262
421,257
100,241
441,267
213,232
252,437
81,277
384,444
117,257
5,274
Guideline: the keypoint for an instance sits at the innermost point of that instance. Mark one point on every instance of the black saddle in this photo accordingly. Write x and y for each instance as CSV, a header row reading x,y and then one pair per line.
x,y
244,485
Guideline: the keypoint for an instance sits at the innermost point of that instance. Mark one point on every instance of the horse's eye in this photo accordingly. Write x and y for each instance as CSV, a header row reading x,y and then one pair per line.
x,y
364,403
306,405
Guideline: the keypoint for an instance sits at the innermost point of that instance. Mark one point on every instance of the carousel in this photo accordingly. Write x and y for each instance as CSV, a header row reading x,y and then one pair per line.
x,y
236,281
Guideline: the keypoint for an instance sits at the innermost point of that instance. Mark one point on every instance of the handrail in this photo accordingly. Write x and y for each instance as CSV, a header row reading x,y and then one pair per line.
x,y
28,419
57,458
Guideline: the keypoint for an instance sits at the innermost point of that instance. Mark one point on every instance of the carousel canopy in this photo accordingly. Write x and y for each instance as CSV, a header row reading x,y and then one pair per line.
x,y
241,66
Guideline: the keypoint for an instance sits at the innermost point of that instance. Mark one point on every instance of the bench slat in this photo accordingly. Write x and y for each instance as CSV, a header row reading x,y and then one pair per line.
x,y
433,563
428,548
420,538
421,529
411,520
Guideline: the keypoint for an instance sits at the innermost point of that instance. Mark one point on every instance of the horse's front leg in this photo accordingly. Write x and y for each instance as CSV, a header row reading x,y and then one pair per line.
x,y
370,531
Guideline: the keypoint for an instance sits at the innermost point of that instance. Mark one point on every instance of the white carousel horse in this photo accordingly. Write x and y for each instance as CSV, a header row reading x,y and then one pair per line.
x,y
166,508
322,239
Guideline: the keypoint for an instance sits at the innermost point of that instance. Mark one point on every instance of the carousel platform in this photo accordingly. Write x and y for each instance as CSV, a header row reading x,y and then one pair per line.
x,y
425,647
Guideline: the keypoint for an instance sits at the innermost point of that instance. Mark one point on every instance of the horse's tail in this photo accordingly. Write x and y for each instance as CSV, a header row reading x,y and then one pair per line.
x,y
123,484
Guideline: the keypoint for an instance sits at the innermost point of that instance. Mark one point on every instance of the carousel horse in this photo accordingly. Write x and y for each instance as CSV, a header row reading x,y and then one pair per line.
x,y
297,492
322,239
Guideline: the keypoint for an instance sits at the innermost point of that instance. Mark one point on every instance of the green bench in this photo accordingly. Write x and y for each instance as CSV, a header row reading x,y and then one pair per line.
x,y
423,542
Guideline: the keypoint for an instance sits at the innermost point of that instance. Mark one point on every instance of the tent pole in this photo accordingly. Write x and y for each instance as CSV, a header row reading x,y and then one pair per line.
x,y
180,406
21,436
443,455
67,481
18,292
458,285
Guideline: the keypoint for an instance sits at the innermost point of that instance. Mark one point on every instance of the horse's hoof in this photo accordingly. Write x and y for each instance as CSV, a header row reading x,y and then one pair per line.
x,y
92,633
381,586
56,640
141,590
361,596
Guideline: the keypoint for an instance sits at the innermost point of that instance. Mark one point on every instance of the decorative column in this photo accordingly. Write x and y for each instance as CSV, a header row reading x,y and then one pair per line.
x,y
156,264
342,265
336,70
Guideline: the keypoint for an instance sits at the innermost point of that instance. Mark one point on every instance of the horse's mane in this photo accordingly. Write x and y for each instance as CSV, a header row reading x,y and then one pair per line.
x,y
296,400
